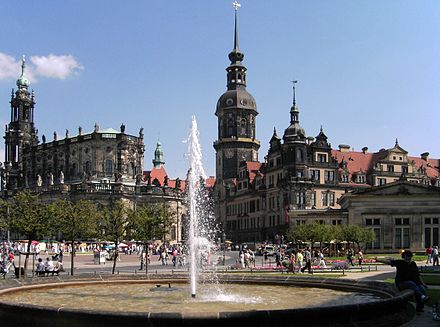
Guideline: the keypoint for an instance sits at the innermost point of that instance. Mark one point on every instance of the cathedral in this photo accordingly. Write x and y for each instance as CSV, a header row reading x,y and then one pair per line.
x,y
102,165
303,180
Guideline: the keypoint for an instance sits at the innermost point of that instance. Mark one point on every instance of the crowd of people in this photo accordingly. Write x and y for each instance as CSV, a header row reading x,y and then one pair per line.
x,y
432,255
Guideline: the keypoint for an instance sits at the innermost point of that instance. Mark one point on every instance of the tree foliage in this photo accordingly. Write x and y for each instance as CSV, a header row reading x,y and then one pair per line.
x,y
113,225
147,223
30,217
325,233
75,221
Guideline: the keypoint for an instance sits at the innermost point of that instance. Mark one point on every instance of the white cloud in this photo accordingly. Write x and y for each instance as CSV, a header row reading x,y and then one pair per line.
x,y
51,66
55,66
9,67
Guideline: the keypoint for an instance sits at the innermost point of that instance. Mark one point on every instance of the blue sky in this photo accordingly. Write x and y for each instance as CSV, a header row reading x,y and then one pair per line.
x,y
368,71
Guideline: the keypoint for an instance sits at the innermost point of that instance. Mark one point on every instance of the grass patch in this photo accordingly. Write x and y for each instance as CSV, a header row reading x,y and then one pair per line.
x,y
431,279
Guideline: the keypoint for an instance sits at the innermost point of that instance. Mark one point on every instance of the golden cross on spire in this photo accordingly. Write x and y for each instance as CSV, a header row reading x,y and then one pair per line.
x,y
236,5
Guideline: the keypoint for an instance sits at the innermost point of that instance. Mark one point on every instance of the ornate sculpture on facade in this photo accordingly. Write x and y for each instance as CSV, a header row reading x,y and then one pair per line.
x,y
80,130
165,180
55,136
149,180
118,177
39,181
122,128
96,128
141,133
138,179
61,177
67,133
43,138
50,178
178,183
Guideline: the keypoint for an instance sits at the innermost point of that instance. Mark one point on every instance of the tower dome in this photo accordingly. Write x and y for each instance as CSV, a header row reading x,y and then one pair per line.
x,y
294,132
22,81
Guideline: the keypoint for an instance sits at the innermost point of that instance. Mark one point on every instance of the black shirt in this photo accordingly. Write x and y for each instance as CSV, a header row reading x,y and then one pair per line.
x,y
406,271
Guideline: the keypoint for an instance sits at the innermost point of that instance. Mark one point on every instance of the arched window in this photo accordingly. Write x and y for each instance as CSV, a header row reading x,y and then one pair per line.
x,y
88,167
243,126
299,155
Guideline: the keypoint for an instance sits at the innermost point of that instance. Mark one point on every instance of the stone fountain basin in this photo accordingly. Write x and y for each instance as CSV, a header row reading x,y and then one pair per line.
x,y
392,309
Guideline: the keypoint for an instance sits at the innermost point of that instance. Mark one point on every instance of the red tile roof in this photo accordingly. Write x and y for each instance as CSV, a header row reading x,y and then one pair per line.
x,y
432,166
253,167
210,182
158,173
359,161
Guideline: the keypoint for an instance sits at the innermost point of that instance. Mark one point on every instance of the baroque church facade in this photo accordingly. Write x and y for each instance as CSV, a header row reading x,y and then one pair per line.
x,y
103,165
303,180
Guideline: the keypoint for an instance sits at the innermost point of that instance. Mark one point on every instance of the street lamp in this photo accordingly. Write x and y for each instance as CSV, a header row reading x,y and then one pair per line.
x,y
224,247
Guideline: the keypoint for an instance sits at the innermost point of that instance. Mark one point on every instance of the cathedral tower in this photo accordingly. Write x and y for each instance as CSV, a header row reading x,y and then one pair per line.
x,y
236,112
20,132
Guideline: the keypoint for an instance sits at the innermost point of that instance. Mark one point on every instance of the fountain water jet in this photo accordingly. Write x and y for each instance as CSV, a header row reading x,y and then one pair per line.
x,y
196,200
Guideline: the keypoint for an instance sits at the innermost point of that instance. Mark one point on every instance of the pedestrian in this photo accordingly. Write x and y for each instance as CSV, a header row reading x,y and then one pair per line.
x,y
299,261
40,269
360,257
321,260
49,266
11,258
408,277
435,256
429,255
350,257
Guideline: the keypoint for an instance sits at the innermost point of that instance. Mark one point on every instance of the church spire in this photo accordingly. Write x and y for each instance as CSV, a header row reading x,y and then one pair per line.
x,y
294,112
236,70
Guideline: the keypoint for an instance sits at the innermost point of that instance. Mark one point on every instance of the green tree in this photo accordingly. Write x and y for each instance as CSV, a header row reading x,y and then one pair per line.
x,y
4,208
357,234
147,223
113,225
75,221
30,217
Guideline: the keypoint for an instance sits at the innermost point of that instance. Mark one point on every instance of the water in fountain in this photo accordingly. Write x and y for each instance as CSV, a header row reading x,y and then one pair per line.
x,y
201,217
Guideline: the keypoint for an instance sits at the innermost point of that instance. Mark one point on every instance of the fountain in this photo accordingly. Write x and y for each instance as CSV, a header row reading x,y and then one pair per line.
x,y
247,300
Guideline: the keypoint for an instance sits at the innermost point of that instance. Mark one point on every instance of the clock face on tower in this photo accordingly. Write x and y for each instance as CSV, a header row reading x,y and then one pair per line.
x,y
229,153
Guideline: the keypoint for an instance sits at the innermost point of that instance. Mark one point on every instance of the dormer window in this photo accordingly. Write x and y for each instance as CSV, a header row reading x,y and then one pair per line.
x,y
361,179
321,157
344,178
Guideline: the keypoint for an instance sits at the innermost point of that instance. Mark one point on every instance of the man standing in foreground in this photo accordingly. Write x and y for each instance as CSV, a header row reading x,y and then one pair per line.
x,y
408,277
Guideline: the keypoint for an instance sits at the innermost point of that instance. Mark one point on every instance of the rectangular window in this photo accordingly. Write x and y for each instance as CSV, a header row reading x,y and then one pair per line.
x,y
300,198
428,241
322,157
405,169
381,181
324,199
329,175
314,174
313,198
402,239
331,199
390,168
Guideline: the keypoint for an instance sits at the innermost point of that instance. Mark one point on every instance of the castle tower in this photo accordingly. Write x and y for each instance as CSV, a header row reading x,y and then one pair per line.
x,y
20,132
236,112
158,156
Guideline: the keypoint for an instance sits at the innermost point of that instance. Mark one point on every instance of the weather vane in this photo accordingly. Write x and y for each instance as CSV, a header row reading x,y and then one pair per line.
x,y
236,5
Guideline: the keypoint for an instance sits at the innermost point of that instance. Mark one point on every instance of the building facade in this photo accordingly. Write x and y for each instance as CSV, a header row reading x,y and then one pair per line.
x,y
303,179
102,166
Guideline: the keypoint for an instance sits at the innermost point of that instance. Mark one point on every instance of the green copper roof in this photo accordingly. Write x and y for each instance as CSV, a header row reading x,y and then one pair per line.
x,y
158,156
22,81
